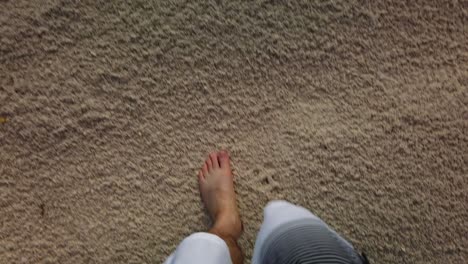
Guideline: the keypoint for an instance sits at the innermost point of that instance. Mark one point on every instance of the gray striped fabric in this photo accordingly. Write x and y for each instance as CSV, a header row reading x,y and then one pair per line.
x,y
307,242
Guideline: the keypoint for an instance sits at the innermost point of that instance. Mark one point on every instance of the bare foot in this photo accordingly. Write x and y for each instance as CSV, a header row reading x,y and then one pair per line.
x,y
217,190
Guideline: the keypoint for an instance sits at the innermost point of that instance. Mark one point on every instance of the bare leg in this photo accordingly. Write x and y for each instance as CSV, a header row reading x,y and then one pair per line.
x,y
217,190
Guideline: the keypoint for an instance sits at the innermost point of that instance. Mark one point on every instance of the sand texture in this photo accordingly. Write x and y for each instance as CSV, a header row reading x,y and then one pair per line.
x,y
356,110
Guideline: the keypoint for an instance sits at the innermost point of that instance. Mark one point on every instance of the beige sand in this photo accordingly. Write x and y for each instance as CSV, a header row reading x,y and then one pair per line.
x,y
356,110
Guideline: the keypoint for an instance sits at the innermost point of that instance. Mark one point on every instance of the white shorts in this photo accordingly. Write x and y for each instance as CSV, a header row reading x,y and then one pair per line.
x,y
206,248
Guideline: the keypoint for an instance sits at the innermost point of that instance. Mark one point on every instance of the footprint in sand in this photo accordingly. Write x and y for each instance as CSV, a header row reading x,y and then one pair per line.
x,y
262,180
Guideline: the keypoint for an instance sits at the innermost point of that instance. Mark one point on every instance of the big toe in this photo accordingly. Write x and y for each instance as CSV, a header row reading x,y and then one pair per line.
x,y
224,162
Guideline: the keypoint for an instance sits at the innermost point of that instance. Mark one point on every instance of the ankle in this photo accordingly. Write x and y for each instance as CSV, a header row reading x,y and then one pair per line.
x,y
235,251
228,225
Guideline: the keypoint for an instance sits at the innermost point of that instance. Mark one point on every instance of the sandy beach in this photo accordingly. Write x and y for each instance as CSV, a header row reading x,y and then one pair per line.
x,y
356,110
